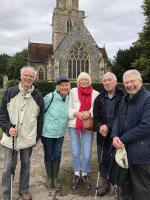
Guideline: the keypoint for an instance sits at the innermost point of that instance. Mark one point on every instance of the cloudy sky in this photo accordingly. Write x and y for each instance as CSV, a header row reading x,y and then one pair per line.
x,y
115,24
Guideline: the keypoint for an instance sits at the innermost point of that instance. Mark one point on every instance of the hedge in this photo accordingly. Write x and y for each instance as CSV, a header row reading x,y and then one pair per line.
x,y
46,87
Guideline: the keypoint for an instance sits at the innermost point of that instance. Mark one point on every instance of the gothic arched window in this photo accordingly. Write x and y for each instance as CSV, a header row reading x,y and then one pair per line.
x,y
69,25
78,60
41,74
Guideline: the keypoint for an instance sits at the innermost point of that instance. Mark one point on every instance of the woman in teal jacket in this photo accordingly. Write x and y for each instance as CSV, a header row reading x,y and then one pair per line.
x,y
55,124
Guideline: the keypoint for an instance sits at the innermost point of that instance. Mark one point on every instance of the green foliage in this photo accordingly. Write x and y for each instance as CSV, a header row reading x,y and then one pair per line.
x,y
97,86
124,59
15,63
1,80
73,84
1,95
3,63
12,82
138,55
46,87
0,134
143,61
143,64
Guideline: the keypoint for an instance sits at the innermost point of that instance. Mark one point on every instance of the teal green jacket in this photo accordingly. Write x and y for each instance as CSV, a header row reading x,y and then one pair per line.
x,y
56,117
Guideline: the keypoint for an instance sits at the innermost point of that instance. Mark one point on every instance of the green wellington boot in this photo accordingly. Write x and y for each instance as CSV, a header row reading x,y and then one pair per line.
x,y
56,183
49,171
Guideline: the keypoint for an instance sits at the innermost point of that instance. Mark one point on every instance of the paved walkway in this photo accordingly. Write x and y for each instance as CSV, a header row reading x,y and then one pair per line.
x,y
38,176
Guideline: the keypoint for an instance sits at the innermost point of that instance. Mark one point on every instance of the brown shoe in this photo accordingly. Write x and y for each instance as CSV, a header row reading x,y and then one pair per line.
x,y
26,196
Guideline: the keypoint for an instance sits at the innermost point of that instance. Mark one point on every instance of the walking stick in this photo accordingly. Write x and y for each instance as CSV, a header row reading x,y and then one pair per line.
x,y
99,172
97,185
12,166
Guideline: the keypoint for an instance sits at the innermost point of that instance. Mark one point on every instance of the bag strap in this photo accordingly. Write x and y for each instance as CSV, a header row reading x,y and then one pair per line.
x,y
49,103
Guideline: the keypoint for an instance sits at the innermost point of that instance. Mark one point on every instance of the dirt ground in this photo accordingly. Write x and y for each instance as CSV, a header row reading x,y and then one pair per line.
x,y
38,177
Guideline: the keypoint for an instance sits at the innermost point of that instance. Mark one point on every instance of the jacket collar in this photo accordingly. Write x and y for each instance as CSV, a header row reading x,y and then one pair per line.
x,y
135,97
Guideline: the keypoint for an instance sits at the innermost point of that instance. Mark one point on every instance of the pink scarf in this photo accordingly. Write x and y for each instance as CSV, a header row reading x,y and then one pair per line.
x,y
85,97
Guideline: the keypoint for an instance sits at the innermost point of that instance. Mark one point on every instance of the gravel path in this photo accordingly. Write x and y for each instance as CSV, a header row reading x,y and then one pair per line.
x,y
38,176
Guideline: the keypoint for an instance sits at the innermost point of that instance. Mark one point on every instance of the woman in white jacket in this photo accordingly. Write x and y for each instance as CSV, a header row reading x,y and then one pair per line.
x,y
81,101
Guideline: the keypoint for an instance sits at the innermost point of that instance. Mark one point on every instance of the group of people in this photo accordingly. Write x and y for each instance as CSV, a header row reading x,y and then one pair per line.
x,y
120,119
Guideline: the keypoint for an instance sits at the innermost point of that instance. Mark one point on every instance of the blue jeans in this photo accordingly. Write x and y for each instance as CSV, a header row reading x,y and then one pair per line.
x,y
25,155
81,146
52,148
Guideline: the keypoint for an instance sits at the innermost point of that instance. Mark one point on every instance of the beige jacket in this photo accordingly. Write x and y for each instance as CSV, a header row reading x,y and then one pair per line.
x,y
23,112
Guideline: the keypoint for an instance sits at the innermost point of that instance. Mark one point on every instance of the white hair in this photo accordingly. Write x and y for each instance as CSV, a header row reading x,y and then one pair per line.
x,y
111,74
28,67
83,75
132,71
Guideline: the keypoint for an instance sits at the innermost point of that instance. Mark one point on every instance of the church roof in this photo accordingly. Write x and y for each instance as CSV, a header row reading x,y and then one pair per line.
x,y
39,52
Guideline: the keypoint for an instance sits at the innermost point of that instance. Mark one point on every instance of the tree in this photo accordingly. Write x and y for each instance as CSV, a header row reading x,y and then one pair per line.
x,y
138,55
124,59
143,62
15,63
3,66
3,63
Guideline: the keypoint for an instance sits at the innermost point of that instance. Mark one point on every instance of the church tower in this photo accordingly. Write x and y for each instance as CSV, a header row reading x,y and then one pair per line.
x,y
67,4
73,49
66,15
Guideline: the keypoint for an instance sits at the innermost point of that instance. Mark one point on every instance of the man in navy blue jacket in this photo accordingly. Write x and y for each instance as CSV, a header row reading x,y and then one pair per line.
x,y
132,129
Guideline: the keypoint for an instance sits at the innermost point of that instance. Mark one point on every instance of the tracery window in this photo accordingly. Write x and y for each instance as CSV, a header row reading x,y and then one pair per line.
x,y
78,60
69,25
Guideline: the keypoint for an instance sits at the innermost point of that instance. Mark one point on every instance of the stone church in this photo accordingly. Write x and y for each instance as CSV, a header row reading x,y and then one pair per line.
x,y
73,49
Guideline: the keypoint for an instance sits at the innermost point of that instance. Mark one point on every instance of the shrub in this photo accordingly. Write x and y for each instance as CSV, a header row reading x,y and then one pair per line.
x,y
12,82
46,87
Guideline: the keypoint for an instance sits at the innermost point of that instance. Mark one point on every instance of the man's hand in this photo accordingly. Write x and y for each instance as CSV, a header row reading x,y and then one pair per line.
x,y
117,143
12,131
103,130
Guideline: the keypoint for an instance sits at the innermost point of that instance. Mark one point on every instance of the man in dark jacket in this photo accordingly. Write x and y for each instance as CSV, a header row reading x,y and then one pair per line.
x,y
132,129
21,119
105,109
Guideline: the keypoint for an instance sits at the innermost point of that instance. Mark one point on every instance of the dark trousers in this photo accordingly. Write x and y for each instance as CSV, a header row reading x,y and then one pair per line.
x,y
137,187
103,150
52,148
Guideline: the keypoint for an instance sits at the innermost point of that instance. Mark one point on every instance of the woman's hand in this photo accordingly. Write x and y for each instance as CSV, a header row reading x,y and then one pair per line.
x,y
85,114
82,115
78,115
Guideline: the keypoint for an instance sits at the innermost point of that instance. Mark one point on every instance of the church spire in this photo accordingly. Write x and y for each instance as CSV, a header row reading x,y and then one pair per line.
x,y
67,4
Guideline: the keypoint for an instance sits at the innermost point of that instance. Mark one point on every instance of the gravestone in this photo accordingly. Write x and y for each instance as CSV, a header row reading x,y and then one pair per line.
x,y
5,81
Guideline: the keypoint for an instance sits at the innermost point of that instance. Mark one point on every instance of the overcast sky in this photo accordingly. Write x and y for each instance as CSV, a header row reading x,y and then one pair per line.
x,y
113,23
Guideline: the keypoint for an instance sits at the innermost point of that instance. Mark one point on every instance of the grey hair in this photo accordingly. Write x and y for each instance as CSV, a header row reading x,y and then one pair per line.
x,y
111,74
28,67
132,71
